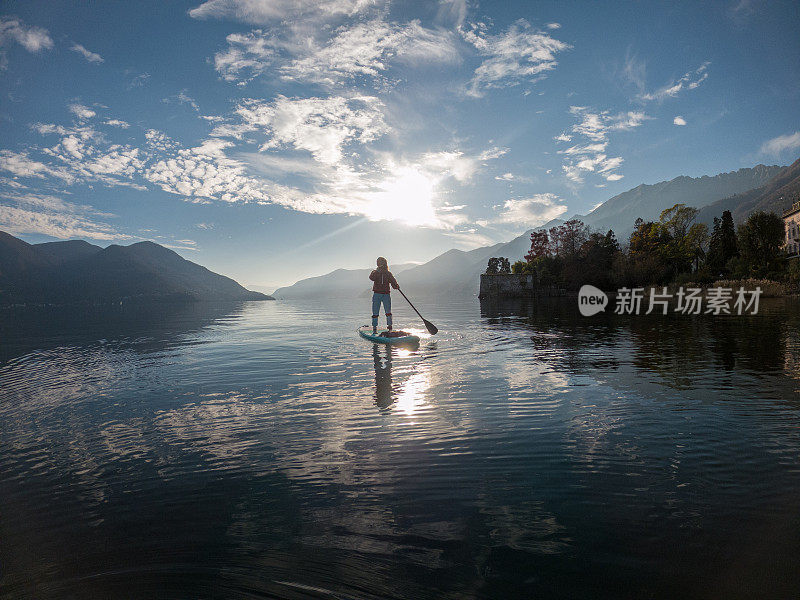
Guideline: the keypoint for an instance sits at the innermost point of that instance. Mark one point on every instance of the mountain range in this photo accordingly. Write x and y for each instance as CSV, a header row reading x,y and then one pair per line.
x,y
76,271
770,188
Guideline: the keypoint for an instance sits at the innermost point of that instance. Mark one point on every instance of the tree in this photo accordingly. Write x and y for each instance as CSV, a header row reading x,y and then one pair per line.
x,y
540,245
498,265
505,265
610,242
555,239
677,220
682,241
520,267
596,259
647,237
573,235
695,243
723,245
760,239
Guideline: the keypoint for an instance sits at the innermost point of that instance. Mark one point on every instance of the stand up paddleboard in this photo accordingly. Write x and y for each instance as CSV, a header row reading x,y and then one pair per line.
x,y
398,337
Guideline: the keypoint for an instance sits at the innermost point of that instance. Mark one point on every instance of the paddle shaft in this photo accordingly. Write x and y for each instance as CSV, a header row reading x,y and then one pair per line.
x,y
432,329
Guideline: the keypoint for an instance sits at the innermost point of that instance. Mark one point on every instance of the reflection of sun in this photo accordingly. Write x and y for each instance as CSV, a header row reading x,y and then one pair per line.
x,y
412,396
406,197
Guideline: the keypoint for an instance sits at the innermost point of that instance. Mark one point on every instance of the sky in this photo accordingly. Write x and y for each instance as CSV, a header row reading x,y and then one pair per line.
x,y
272,140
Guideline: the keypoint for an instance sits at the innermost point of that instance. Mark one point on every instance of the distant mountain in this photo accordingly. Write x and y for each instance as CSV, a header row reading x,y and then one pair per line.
x,y
647,201
341,283
775,195
456,271
79,272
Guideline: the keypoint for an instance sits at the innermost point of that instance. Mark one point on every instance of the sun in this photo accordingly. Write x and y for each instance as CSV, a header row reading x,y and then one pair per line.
x,y
407,196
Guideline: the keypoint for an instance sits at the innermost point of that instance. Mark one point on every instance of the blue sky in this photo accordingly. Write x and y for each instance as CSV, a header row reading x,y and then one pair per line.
x,y
272,140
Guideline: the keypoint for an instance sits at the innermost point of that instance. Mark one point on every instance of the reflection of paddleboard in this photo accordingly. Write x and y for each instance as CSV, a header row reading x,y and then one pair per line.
x,y
365,331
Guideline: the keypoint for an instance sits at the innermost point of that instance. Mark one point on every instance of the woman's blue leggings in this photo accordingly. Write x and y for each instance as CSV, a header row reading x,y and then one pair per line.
x,y
377,300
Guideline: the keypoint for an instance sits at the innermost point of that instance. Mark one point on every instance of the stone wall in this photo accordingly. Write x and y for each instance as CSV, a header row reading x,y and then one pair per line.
x,y
515,286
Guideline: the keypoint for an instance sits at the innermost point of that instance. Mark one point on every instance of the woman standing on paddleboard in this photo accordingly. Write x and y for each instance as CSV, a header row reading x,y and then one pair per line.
x,y
382,278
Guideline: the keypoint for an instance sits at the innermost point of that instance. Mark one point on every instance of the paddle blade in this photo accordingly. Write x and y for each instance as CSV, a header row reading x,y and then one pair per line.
x,y
432,329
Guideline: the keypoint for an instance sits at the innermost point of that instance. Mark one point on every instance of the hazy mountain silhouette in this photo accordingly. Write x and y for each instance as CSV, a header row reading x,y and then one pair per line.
x,y
79,272
456,271
341,283
647,201
776,195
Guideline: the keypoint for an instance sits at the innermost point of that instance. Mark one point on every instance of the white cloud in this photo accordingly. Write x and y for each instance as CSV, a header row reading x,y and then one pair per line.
x,y
519,54
780,144
247,56
591,157
689,81
365,49
205,172
262,12
159,141
92,57
182,98
452,12
50,215
81,111
138,81
84,155
492,153
531,212
553,25
321,126
634,71
33,39
316,156
679,120
20,164
454,164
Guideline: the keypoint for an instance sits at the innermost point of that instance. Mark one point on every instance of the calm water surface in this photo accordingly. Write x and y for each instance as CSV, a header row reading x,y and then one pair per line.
x,y
263,450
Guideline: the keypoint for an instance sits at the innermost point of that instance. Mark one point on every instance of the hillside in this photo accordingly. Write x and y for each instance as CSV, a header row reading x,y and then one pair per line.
x,y
79,272
341,283
647,201
776,195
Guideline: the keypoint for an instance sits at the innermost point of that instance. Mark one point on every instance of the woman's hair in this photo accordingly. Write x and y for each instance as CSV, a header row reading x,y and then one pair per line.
x,y
382,264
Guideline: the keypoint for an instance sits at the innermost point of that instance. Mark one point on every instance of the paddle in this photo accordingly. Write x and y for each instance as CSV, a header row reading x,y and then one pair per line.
x,y
432,329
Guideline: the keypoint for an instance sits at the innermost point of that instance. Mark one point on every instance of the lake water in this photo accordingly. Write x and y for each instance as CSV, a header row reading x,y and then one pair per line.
x,y
263,450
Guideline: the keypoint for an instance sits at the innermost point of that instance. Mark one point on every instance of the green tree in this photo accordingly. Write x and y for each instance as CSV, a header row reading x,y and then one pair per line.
x,y
678,250
647,238
596,258
504,265
696,242
493,266
677,220
761,239
723,245
520,267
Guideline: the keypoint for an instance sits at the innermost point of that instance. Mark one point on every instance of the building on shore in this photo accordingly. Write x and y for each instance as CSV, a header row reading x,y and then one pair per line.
x,y
791,219
513,285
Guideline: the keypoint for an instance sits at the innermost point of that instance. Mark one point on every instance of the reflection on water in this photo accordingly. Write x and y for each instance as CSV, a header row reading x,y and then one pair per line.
x,y
408,396
221,451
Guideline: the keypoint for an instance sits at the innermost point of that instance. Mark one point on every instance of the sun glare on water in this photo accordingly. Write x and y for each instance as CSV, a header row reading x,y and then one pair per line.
x,y
407,197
